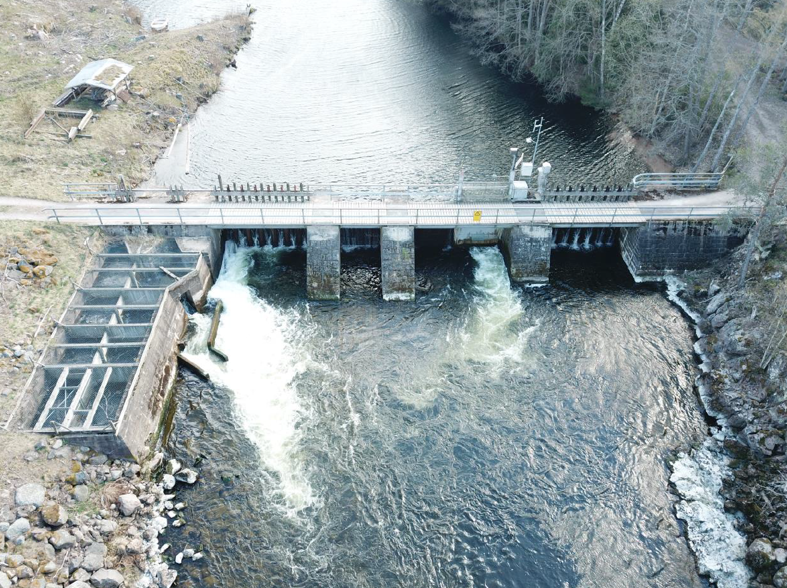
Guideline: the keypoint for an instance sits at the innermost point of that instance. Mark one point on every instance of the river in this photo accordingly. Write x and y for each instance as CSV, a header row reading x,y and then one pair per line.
x,y
485,435
372,91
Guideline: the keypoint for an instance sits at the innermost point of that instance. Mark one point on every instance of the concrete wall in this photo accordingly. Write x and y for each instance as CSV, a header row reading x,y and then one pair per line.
x,y
198,238
477,235
150,390
527,249
661,248
397,256
323,263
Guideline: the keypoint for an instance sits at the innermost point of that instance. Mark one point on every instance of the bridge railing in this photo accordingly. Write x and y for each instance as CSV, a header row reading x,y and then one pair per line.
x,y
371,215
90,190
678,181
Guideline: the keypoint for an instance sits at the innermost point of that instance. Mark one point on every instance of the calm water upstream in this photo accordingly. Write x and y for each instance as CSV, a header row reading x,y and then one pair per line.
x,y
485,435
371,91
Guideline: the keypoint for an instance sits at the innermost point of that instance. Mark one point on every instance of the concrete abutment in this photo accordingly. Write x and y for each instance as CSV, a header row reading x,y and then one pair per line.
x,y
664,247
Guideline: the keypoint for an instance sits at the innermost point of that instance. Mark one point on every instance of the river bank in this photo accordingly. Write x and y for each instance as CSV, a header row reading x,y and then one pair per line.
x,y
744,385
45,44
76,518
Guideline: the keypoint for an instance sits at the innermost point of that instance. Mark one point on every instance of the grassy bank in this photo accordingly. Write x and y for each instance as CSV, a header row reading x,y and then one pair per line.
x,y
43,44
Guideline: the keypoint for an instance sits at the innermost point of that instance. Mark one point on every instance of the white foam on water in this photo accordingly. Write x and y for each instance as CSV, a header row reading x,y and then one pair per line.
x,y
266,353
719,547
491,334
698,476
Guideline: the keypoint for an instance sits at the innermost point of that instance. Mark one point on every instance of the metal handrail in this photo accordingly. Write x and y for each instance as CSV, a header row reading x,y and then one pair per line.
x,y
683,181
421,214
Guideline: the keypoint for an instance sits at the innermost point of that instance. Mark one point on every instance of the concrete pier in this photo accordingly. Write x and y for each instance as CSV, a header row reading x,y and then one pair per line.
x,y
323,263
527,249
397,253
660,248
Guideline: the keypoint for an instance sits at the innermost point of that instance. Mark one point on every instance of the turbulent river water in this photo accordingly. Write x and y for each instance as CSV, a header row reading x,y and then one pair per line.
x,y
485,435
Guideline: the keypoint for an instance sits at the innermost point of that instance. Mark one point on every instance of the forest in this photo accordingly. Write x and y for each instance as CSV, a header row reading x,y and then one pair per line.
x,y
686,74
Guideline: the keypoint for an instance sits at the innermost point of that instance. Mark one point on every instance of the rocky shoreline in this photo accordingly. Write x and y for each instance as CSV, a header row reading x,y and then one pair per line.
x,y
748,402
97,525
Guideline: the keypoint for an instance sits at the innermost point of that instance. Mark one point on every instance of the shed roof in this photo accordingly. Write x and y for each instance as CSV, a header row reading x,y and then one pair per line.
x,y
105,74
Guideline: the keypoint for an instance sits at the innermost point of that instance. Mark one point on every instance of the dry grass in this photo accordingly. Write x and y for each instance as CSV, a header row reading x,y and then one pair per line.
x,y
24,307
174,72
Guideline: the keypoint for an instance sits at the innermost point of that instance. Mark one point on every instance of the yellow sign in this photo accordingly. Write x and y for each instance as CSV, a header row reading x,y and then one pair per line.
x,y
477,216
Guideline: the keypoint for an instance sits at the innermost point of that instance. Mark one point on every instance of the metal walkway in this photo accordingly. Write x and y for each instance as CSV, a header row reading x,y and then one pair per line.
x,y
371,214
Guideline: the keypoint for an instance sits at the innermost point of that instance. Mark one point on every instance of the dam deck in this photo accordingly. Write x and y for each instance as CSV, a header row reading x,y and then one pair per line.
x,y
375,214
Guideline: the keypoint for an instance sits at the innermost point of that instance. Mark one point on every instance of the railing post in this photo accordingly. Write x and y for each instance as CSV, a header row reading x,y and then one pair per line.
x,y
614,214
691,210
303,216
221,213
98,214
139,216
180,217
57,218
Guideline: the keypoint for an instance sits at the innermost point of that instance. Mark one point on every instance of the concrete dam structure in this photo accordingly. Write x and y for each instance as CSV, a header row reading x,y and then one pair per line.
x,y
105,376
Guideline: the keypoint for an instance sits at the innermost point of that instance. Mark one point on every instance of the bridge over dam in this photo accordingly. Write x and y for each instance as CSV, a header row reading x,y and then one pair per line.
x,y
104,379
655,237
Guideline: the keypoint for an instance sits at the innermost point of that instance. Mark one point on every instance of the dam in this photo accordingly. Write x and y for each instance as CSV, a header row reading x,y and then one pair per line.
x,y
656,237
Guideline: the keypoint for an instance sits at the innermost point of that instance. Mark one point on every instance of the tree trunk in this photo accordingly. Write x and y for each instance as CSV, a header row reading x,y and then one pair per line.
x,y
704,153
763,88
756,231
720,151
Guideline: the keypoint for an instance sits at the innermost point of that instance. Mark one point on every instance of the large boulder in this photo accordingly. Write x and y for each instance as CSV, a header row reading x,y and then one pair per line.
x,y
106,579
81,493
4,581
780,578
62,539
79,584
760,555
129,504
167,577
30,495
17,530
187,476
94,557
54,515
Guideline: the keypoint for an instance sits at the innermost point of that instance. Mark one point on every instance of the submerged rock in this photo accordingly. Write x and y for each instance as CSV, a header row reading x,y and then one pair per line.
x,y
187,476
